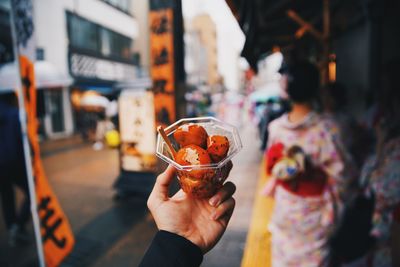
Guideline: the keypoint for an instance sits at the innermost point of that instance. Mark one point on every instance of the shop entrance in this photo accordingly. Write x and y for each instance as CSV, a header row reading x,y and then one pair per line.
x,y
55,112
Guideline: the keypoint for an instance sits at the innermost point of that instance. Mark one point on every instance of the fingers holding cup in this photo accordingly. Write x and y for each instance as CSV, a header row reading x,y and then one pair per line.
x,y
224,203
224,211
223,194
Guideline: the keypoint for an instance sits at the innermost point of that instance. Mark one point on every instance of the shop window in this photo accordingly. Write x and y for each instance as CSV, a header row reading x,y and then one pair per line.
x,y
6,48
106,42
87,35
83,33
39,53
123,5
114,44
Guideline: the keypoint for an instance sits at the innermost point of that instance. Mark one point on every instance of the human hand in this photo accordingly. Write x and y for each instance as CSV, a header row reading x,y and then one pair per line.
x,y
201,221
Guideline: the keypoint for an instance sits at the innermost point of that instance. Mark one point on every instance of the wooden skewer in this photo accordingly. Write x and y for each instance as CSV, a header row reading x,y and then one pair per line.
x,y
160,129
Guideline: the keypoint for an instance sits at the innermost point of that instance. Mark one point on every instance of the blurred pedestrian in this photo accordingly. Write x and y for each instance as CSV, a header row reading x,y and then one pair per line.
x,y
188,227
80,114
12,170
275,109
301,146
356,139
91,110
381,173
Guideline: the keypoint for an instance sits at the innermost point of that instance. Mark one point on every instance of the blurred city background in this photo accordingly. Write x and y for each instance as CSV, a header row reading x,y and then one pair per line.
x,y
108,71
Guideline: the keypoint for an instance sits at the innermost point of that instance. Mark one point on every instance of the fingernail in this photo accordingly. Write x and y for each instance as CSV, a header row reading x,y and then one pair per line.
x,y
213,201
214,216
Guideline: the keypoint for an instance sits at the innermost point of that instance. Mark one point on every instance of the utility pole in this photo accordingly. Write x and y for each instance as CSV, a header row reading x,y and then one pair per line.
x,y
326,42
323,37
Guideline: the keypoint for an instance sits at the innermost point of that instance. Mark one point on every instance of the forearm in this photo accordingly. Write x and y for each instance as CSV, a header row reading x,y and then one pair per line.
x,y
168,249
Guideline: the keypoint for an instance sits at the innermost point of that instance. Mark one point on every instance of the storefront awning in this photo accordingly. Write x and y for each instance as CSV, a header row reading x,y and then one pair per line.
x,y
270,23
46,76
110,88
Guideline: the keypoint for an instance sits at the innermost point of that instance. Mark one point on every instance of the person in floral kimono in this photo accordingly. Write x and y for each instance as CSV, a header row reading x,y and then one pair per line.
x,y
307,169
381,175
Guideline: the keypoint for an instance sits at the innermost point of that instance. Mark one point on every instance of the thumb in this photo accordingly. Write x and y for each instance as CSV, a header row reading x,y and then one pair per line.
x,y
161,187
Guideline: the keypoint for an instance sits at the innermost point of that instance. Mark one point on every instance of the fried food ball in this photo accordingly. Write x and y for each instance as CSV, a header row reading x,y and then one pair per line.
x,y
217,147
191,134
193,155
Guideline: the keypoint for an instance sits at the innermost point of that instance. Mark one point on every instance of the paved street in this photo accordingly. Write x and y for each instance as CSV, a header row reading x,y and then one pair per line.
x,y
229,251
117,232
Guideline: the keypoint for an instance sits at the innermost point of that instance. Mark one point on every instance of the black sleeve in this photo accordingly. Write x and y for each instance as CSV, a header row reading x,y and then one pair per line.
x,y
171,250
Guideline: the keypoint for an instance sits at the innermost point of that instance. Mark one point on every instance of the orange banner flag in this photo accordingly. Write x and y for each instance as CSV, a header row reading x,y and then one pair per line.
x,y
57,236
53,233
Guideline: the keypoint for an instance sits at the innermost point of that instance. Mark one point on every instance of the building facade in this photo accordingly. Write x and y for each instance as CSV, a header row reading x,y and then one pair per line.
x,y
91,41
142,44
201,51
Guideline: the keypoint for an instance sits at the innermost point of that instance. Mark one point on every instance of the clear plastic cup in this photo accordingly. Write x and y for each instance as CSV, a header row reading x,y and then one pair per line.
x,y
214,174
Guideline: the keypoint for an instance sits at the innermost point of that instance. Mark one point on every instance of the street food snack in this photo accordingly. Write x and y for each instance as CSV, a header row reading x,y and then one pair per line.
x,y
201,150
191,134
206,185
217,147
193,155
201,182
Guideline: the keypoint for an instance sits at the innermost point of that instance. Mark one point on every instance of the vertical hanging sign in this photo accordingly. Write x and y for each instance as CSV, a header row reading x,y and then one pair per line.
x,y
162,60
53,232
138,143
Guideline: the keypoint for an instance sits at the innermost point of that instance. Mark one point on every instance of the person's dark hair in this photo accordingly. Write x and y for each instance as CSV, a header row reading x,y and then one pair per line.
x,y
303,82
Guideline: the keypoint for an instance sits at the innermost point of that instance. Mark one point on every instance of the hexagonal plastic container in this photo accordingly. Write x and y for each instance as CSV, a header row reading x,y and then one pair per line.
x,y
214,174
